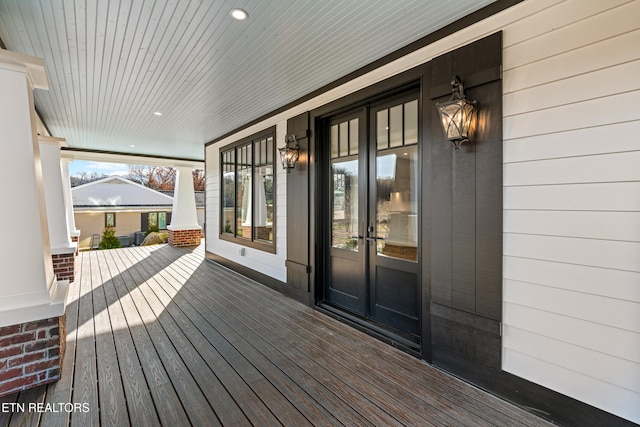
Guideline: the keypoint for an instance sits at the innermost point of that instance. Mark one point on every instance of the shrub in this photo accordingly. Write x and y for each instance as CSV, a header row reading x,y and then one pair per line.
x,y
109,239
151,229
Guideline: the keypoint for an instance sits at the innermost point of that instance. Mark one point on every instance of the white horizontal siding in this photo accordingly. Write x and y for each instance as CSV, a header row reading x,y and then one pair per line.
x,y
616,196
613,167
623,226
619,137
572,202
579,278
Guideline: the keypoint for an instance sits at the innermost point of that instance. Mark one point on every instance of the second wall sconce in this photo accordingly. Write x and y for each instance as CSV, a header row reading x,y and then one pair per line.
x,y
290,152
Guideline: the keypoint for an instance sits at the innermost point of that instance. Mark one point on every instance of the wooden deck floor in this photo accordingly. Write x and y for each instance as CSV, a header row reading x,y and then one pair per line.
x,y
158,336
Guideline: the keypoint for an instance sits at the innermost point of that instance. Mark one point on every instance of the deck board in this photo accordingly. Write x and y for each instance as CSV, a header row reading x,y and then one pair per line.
x,y
159,336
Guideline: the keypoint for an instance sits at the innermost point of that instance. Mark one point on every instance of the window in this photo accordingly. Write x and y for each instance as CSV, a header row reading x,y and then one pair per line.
x,y
155,219
248,191
110,219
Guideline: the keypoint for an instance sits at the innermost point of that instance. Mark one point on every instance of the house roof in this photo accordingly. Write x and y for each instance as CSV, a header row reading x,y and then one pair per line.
x,y
115,191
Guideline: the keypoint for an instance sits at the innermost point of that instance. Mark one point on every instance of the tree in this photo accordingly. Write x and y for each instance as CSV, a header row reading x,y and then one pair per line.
x,y
162,177
198,180
155,177
85,178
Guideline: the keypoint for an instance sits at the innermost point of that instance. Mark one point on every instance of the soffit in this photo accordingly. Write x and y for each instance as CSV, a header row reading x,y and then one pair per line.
x,y
112,64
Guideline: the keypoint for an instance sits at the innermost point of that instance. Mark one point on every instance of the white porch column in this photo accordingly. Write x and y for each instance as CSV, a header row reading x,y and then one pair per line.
x,y
184,229
32,301
74,233
63,250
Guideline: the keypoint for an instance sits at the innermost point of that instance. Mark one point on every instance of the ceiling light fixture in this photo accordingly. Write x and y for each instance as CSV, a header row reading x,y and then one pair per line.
x,y
239,14
157,113
132,146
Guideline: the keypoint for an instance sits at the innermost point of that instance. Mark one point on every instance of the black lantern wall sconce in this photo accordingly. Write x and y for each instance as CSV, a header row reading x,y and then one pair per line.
x,y
456,114
290,152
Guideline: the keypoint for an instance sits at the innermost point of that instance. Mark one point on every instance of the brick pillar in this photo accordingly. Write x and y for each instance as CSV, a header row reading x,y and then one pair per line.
x,y
31,354
184,238
64,266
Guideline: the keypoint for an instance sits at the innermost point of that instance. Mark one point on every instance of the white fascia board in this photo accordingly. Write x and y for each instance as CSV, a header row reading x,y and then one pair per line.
x,y
130,159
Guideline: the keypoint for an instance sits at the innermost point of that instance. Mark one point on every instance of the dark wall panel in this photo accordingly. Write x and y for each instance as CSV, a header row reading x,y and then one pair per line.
x,y
466,224
298,230
489,196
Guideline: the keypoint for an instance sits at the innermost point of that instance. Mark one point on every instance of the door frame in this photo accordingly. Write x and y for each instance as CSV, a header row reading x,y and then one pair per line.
x,y
387,89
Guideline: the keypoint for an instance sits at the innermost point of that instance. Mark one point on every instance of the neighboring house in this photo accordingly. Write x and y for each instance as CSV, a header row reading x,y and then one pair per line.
x,y
513,262
125,205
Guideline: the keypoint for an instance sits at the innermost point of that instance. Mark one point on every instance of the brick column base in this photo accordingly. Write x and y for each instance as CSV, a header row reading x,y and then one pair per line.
x,y
64,266
76,239
31,354
184,238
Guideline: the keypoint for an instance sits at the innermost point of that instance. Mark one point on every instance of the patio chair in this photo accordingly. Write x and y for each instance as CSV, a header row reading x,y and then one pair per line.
x,y
95,241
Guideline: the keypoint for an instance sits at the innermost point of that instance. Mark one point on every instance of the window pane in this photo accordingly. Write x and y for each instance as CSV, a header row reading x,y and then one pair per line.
x,y
243,200
334,141
353,136
396,203
344,205
395,126
382,127
153,219
162,220
229,194
263,153
270,150
411,122
263,204
344,139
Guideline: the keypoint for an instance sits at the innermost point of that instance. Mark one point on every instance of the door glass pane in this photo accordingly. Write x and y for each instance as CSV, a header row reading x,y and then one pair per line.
x,y
396,203
162,220
382,129
395,126
334,141
344,139
344,204
353,136
411,122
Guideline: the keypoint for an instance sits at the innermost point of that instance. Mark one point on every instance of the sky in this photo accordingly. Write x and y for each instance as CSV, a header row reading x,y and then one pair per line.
x,y
76,167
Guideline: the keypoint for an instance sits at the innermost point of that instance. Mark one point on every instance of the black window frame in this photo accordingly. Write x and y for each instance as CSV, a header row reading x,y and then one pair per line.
x,y
250,241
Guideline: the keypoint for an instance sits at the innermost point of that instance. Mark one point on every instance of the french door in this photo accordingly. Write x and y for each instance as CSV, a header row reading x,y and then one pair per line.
x,y
372,214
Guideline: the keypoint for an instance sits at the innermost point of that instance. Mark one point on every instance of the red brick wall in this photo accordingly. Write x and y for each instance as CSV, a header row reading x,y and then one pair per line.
x,y
64,266
182,238
31,354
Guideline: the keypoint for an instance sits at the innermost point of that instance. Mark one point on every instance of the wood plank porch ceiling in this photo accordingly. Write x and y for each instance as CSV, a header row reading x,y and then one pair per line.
x,y
113,63
158,336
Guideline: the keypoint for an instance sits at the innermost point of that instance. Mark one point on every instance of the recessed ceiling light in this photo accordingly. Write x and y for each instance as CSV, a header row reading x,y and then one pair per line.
x,y
132,146
239,14
158,113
